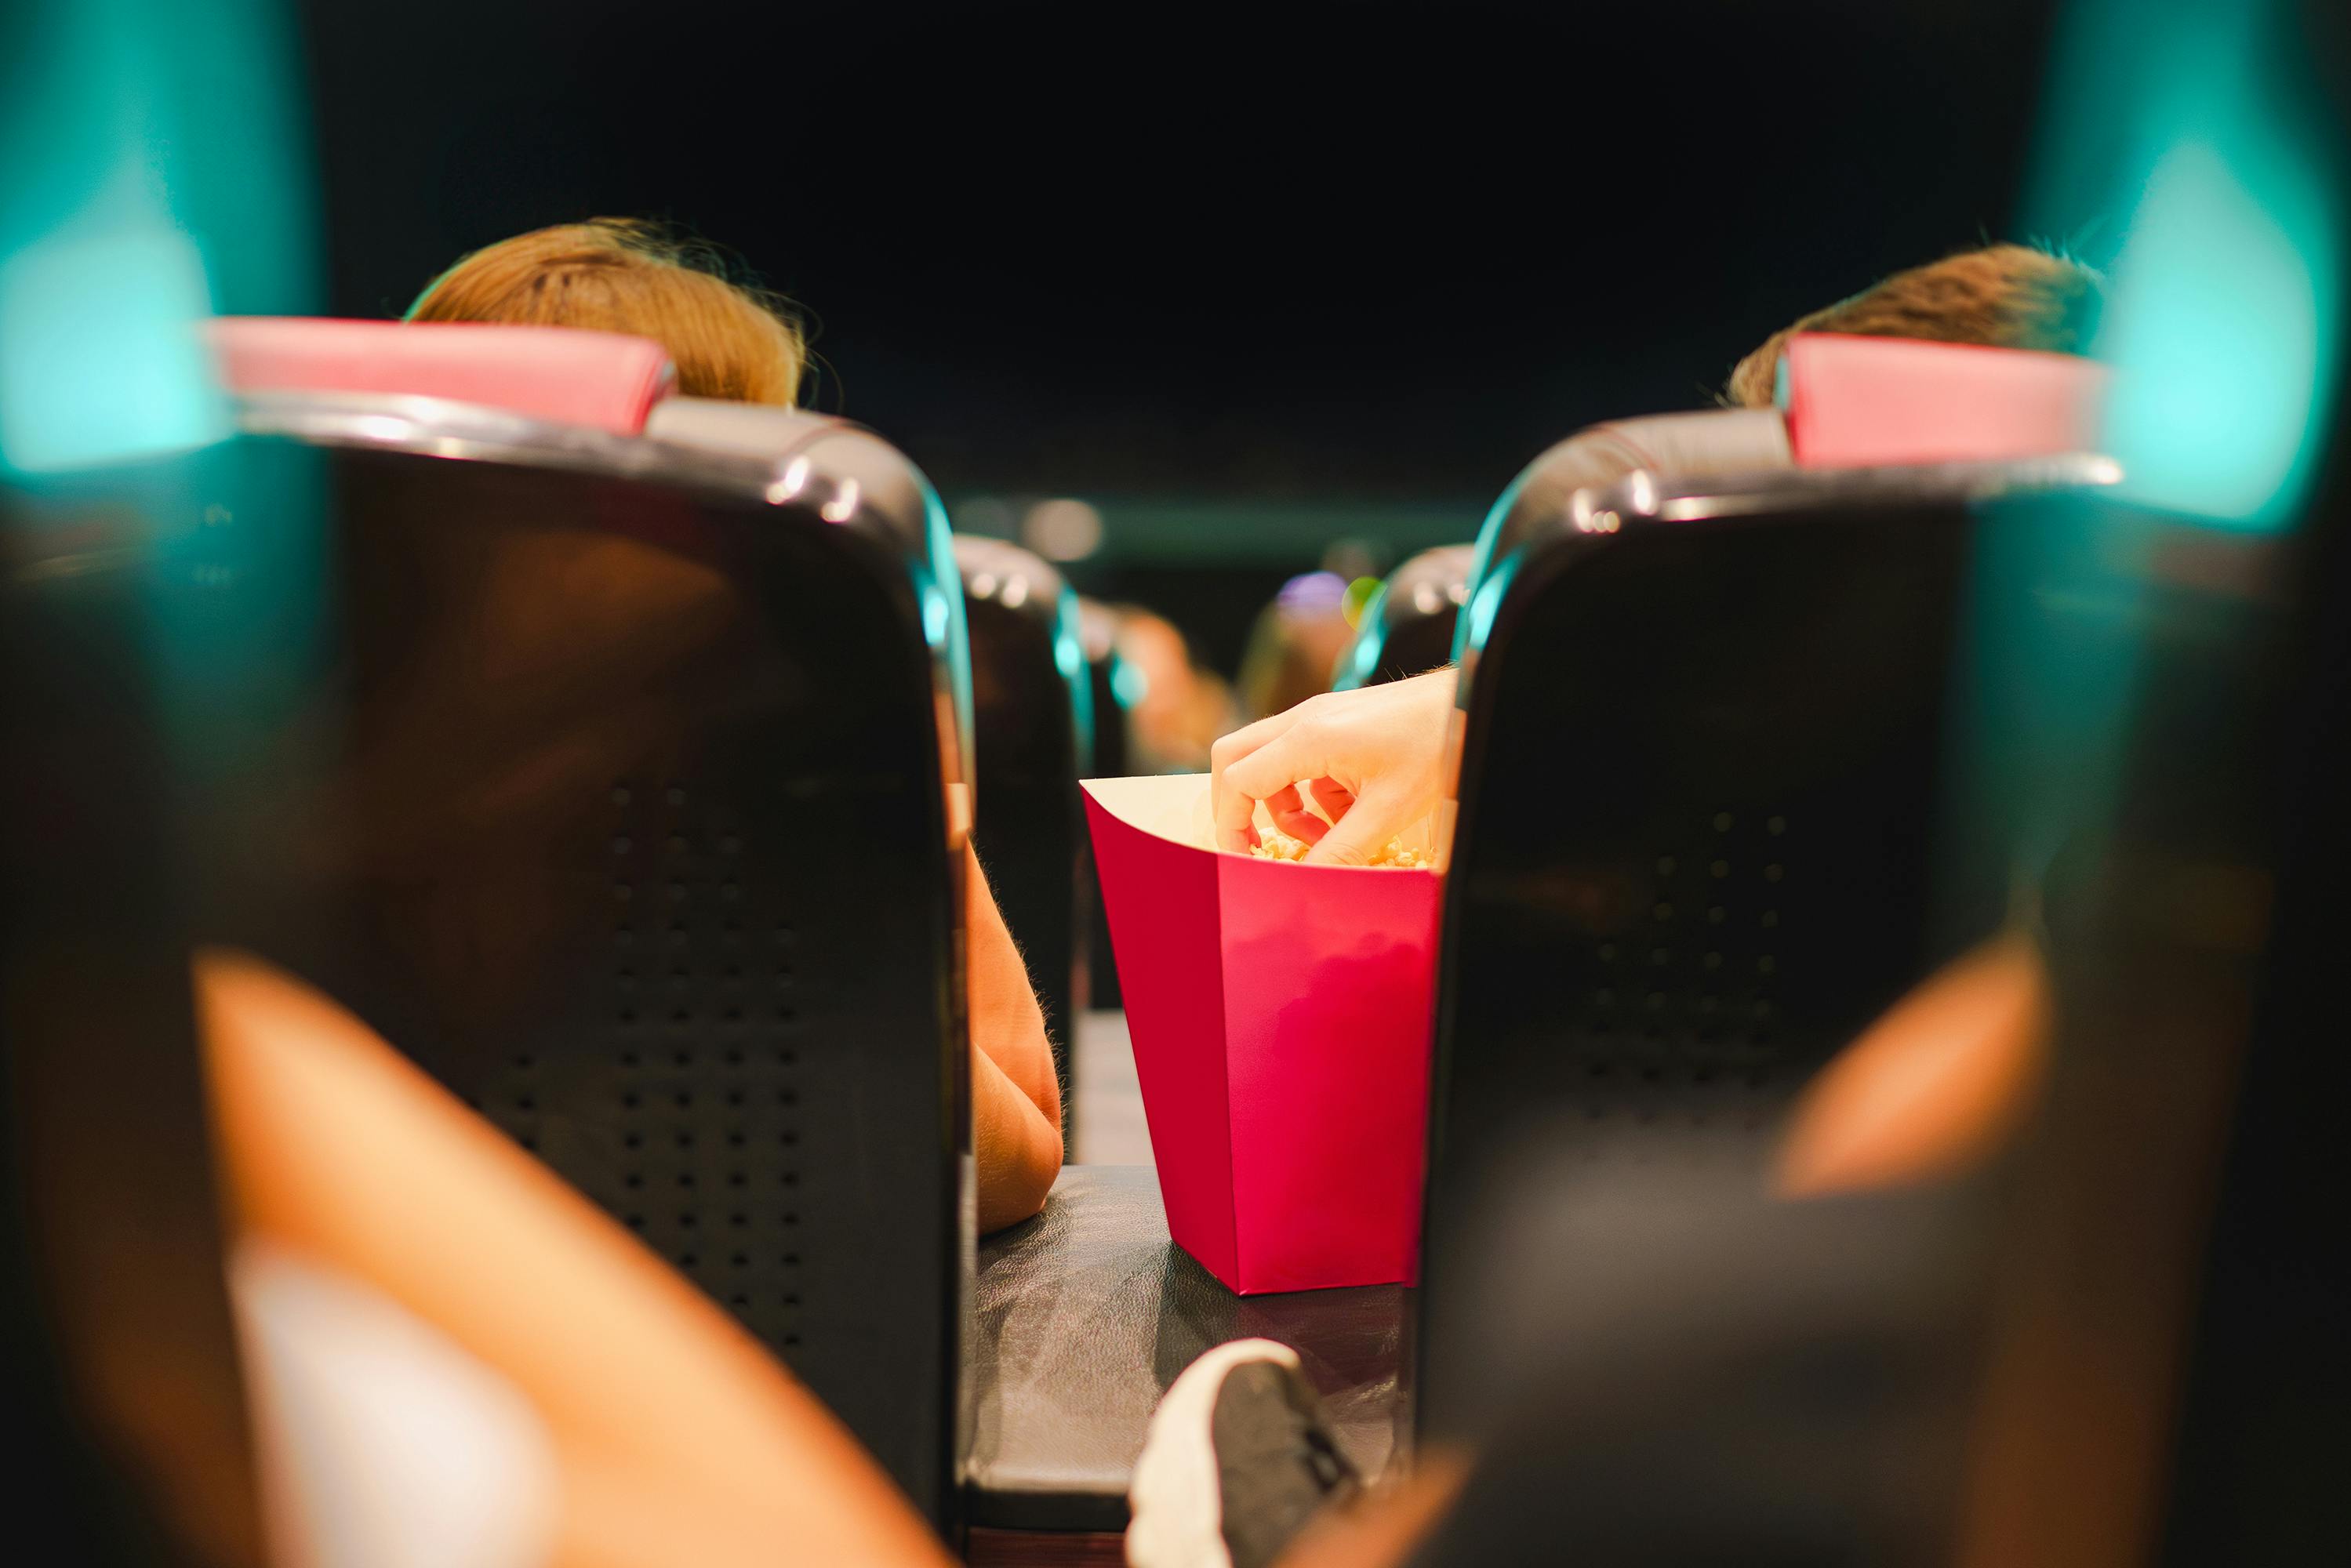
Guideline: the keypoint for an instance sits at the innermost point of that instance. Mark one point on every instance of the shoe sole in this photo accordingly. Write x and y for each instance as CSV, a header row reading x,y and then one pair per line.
x,y
1176,1508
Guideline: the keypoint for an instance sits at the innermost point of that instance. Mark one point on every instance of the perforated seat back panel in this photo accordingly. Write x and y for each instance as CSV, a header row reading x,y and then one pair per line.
x,y
1697,802
617,807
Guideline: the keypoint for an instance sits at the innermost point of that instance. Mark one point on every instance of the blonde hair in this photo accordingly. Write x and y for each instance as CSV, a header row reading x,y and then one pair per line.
x,y
2003,296
622,274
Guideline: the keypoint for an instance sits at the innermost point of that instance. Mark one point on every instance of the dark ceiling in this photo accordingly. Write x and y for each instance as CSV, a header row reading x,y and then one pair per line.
x,y
1267,252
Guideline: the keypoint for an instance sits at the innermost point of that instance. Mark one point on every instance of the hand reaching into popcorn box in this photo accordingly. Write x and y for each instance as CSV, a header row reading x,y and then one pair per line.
x,y
1277,961
1372,761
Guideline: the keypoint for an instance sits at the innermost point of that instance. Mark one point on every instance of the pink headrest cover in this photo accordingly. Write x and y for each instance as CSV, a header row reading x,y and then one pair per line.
x,y
1859,403
600,379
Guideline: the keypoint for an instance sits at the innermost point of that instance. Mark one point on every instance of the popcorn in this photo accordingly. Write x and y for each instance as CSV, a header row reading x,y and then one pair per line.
x,y
1276,845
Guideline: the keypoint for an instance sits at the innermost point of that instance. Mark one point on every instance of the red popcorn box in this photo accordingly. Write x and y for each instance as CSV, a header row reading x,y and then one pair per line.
x,y
1281,1015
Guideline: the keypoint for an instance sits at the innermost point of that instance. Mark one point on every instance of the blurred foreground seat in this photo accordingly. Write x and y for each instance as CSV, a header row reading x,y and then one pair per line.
x,y
622,784
1703,772
2068,1354
128,1426
1699,798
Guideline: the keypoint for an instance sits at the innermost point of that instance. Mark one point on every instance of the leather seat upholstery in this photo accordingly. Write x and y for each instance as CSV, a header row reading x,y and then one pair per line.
x,y
1085,1314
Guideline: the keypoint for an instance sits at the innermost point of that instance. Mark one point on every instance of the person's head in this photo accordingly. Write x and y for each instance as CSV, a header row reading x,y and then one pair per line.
x,y
618,275
1182,708
1295,646
2003,296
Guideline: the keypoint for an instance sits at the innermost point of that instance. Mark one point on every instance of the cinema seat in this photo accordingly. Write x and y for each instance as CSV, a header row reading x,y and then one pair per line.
x,y
622,784
1846,402
1031,712
1406,627
420,1405
1700,786
1110,681
430,1353
2064,1352
1409,626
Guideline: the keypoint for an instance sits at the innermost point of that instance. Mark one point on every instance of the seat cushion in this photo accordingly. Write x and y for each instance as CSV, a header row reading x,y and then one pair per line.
x,y
1086,1314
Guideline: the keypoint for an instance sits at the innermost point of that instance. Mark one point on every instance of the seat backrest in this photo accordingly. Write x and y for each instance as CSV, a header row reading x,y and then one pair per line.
x,y
621,786
1030,702
1698,795
603,380
1709,442
1848,401
1407,626
125,1409
746,429
1110,689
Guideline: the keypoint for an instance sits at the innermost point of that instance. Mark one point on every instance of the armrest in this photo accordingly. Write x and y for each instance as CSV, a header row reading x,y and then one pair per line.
x,y
1086,1314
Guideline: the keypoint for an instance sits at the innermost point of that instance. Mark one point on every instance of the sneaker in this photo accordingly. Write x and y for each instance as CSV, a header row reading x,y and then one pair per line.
x,y
1237,1461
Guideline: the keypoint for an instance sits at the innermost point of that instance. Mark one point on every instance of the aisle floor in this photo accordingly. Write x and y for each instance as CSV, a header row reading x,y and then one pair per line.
x,y
1111,1130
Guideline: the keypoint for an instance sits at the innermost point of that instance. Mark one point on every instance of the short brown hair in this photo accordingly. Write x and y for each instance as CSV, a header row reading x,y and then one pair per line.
x,y
2004,296
619,275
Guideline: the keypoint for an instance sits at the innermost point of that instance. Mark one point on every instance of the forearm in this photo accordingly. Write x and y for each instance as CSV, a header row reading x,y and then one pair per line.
x,y
1007,1025
1015,1100
1017,1151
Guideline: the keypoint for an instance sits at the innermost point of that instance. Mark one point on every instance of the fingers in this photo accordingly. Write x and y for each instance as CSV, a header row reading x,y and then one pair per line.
x,y
1334,797
1291,815
1294,817
1273,767
1374,819
1235,810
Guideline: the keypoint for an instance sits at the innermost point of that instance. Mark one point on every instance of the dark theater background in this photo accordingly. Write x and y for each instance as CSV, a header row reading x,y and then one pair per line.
x,y
1247,279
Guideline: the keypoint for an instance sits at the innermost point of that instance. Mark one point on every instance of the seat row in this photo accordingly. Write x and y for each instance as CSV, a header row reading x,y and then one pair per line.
x,y
612,753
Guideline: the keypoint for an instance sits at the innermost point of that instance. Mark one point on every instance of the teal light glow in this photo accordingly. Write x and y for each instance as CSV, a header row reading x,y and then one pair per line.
x,y
152,170
1128,683
1361,660
2221,332
1481,558
100,360
944,626
2179,146
2188,125
1485,603
1070,658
